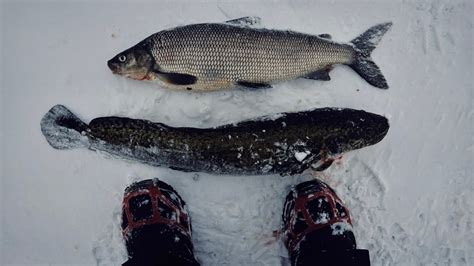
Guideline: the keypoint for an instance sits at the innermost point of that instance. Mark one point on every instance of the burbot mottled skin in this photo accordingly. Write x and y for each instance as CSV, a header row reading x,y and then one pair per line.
x,y
284,144
214,56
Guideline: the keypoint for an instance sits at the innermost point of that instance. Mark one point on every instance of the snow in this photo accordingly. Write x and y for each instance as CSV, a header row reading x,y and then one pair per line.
x,y
323,218
300,156
340,227
410,196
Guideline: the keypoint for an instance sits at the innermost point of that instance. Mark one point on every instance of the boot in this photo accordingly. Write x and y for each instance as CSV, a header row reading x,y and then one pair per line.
x,y
156,226
317,228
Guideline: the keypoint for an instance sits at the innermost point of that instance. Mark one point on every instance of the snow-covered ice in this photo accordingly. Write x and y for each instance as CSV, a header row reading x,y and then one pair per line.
x,y
410,196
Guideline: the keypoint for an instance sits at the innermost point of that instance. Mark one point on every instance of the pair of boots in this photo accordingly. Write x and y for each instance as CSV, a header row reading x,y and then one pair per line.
x,y
317,227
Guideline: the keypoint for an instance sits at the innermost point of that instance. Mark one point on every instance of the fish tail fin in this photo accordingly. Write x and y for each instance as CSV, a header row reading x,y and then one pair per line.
x,y
363,64
62,129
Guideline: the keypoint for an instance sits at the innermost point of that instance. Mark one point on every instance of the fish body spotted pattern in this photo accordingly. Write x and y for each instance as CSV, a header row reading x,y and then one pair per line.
x,y
284,144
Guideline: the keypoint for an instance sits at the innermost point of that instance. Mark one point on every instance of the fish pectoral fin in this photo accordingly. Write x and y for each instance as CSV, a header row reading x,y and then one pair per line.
x,y
325,36
254,85
322,74
245,21
176,78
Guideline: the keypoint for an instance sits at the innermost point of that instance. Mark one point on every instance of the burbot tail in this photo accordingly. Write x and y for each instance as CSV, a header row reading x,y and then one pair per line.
x,y
62,129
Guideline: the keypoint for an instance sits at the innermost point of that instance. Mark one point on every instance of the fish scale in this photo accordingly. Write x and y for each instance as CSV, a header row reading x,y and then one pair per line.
x,y
213,56
219,53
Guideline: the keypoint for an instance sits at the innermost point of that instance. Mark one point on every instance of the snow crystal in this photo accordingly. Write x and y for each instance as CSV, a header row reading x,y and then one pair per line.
x,y
273,117
323,218
173,195
283,145
267,168
144,202
300,156
299,143
340,227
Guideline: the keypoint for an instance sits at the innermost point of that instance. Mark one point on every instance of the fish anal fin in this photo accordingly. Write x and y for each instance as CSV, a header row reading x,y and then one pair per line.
x,y
322,74
176,78
254,85
245,21
325,36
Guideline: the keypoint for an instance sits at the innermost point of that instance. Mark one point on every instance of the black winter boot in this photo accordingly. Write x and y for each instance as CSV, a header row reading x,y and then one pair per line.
x,y
156,225
317,228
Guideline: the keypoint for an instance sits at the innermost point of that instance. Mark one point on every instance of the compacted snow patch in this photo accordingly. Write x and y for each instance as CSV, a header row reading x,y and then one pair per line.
x,y
300,156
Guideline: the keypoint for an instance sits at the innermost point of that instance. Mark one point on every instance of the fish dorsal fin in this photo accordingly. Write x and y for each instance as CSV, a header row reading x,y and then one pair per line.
x,y
245,21
325,36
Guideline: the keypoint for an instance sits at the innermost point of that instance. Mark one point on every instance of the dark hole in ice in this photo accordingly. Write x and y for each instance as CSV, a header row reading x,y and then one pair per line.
x,y
140,207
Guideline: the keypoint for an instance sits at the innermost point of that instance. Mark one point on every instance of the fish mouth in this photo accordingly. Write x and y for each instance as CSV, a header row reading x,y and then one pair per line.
x,y
381,135
373,132
384,126
114,67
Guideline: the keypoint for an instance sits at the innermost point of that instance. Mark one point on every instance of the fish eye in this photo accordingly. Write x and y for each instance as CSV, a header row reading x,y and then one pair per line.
x,y
122,58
